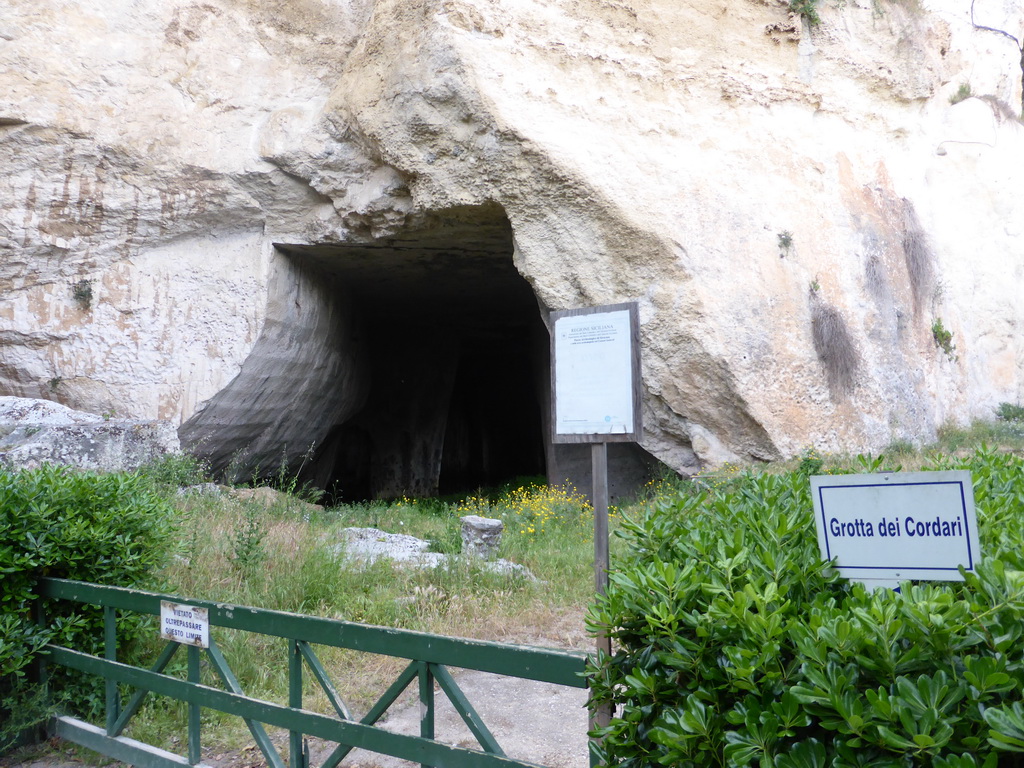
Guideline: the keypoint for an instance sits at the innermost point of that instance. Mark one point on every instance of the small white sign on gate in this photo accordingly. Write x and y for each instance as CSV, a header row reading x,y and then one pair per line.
x,y
186,624
886,528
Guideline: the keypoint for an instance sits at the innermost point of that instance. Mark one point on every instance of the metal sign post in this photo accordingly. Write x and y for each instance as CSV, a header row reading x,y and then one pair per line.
x,y
595,385
599,472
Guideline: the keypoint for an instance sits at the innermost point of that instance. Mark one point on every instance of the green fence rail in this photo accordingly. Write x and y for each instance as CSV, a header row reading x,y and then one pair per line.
x,y
429,658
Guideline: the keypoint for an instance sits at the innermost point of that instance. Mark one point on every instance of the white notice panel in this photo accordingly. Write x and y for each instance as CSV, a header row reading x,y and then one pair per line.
x,y
897,526
595,364
187,624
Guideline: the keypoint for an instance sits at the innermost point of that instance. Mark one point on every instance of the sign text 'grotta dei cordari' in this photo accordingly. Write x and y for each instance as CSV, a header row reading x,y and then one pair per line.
x,y
331,234
896,526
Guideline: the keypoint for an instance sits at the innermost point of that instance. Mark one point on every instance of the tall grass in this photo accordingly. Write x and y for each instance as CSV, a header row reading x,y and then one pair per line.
x,y
1005,434
288,556
952,439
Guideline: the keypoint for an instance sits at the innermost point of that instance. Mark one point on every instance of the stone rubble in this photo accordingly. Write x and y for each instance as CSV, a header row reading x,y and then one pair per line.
x,y
367,545
481,536
36,432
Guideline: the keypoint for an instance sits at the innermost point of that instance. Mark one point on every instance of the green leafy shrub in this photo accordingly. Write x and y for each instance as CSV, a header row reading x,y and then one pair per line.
x,y
962,93
734,644
944,339
785,242
248,544
806,8
1010,412
81,292
110,529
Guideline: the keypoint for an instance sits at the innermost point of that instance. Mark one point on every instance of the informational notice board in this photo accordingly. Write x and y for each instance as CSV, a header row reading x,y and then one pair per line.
x,y
890,527
595,398
595,374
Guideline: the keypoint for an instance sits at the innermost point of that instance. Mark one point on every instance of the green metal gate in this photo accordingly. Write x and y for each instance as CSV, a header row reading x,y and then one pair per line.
x,y
429,658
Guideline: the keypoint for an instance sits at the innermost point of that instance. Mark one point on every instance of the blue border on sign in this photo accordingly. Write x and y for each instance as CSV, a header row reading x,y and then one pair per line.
x,y
963,508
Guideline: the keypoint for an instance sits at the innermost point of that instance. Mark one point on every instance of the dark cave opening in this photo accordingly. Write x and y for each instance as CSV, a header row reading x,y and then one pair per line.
x,y
493,431
453,359
412,365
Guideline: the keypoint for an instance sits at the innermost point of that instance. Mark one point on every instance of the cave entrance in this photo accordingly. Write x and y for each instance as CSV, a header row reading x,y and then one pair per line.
x,y
452,356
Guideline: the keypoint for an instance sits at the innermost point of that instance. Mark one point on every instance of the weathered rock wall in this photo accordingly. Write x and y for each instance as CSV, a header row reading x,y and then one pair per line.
x,y
659,154
660,151
303,372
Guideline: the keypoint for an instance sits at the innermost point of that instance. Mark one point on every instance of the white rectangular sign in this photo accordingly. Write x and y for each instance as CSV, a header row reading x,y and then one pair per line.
x,y
890,527
187,624
594,372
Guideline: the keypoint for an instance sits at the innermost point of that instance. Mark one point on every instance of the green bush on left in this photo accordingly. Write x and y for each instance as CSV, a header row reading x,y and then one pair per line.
x,y
111,529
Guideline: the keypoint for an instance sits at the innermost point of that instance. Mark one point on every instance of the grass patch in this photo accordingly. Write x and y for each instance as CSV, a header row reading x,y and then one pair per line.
x,y
1005,435
903,455
286,557
174,471
962,93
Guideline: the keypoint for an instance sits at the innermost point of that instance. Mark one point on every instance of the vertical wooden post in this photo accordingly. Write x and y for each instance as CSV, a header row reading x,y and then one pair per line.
x,y
42,675
113,696
599,470
194,744
295,700
599,473
595,398
426,702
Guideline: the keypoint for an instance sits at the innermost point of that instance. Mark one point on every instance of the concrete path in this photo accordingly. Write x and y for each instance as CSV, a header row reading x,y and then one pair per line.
x,y
536,722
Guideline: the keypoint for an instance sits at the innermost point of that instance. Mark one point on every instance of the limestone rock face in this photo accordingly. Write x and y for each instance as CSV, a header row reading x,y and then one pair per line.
x,y
196,195
34,432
